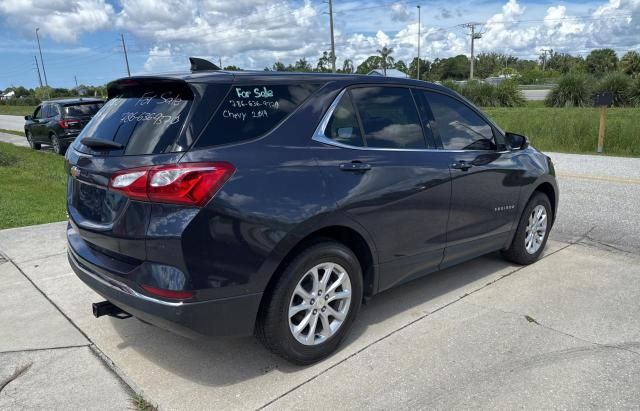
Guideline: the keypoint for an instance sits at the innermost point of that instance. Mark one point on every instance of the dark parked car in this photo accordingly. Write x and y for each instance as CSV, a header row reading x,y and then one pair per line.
x,y
58,122
231,203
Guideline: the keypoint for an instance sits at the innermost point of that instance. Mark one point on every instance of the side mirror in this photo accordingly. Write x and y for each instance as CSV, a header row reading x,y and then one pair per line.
x,y
517,141
27,118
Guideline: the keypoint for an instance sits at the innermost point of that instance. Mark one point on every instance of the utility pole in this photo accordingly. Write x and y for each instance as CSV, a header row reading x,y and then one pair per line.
x,y
474,36
126,58
220,61
46,83
76,80
418,41
544,57
333,44
38,69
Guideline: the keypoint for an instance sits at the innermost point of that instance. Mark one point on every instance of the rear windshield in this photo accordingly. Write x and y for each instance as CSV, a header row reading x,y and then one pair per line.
x,y
251,111
146,117
82,110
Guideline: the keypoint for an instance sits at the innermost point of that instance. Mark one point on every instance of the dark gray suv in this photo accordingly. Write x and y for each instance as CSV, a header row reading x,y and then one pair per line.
x,y
58,122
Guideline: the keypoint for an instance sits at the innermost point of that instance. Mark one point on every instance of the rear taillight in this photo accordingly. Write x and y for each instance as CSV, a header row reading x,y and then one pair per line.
x,y
68,123
191,184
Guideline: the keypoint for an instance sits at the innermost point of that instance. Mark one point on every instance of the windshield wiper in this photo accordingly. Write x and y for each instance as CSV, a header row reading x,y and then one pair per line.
x,y
100,144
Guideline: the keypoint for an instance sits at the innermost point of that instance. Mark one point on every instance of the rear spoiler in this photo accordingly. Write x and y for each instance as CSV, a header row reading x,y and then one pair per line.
x,y
198,64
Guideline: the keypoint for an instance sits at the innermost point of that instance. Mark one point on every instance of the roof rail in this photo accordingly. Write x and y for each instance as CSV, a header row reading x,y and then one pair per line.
x,y
198,64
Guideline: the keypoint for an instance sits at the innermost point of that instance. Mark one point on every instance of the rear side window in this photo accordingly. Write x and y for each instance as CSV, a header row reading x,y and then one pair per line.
x,y
146,117
389,117
343,126
82,110
460,127
248,112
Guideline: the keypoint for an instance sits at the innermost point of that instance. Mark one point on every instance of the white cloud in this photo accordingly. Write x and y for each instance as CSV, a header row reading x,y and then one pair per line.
x,y
255,33
399,12
60,20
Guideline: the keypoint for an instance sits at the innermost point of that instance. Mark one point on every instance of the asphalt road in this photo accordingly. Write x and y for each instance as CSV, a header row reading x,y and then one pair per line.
x,y
11,122
599,198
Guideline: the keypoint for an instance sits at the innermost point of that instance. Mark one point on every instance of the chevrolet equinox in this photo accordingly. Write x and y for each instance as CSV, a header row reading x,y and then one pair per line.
x,y
235,203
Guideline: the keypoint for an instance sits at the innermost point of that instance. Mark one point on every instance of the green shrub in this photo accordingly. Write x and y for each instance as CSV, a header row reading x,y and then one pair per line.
x,y
508,94
452,85
572,90
480,94
634,93
617,84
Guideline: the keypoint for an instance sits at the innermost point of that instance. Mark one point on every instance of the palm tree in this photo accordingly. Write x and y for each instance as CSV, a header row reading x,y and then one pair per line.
x,y
387,60
347,66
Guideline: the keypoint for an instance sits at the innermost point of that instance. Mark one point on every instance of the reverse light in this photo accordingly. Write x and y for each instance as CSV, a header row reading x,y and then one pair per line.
x,y
191,184
161,292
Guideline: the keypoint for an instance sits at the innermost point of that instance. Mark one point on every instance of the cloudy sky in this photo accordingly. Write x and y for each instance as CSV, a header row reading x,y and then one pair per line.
x,y
82,38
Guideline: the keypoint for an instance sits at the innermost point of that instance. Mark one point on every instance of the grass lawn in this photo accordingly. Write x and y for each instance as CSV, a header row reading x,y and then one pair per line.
x,y
17,133
572,130
33,187
17,110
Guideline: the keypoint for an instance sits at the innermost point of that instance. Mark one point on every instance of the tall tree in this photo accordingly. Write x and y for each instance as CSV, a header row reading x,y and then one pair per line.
x,y
324,63
386,60
302,65
630,64
425,68
601,61
402,66
371,63
347,66
278,66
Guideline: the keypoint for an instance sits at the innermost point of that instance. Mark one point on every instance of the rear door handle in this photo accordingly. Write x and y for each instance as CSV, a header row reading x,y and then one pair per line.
x,y
461,165
355,166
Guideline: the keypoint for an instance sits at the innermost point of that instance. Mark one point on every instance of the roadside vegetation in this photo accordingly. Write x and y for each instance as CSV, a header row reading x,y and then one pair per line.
x,y
572,129
33,187
16,110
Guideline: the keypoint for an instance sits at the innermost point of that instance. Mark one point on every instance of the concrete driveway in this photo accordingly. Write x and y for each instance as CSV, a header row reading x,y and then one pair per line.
x,y
561,333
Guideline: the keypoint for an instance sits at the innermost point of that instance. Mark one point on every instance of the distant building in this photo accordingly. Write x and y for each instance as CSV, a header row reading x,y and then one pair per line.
x,y
390,73
7,96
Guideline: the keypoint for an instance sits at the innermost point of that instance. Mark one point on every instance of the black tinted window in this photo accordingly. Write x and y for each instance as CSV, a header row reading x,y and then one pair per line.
x,y
55,110
249,112
145,117
460,127
81,110
389,117
343,126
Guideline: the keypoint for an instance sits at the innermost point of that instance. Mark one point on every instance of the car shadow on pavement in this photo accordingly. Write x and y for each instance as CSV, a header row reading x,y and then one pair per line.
x,y
229,361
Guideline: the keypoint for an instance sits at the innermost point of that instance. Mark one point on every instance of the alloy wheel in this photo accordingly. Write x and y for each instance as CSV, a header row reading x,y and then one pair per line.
x,y
536,229
320,303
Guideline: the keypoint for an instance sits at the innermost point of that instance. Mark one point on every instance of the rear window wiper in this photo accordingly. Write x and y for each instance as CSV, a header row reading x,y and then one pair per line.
x,y
100,144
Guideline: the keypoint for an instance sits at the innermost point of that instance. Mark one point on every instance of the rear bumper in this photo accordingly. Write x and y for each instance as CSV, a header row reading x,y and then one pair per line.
x,y
233,316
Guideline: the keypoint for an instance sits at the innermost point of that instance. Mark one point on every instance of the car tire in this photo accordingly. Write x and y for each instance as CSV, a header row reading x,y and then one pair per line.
x,y
58,148
296,292
532,232
32,144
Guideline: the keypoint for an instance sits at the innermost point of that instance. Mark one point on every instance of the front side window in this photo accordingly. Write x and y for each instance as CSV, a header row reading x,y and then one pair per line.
x,y
343,126
389,117
460,127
